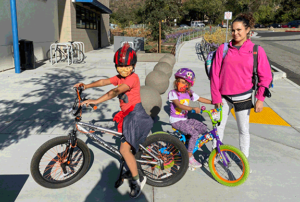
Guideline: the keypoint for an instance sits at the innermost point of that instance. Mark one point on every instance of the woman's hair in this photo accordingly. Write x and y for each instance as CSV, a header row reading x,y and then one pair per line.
x,y
188,88
247,19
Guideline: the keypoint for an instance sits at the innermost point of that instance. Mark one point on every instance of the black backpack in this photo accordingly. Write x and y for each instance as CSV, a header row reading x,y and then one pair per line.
x,y
255,78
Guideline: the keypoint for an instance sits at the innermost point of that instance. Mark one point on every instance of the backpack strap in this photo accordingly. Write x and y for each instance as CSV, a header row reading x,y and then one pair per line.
x,y
255,76
225,49
255,64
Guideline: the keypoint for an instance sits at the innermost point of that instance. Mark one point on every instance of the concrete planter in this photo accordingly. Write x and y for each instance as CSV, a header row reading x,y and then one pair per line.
x,y
164,67
157,80
151,100
168,60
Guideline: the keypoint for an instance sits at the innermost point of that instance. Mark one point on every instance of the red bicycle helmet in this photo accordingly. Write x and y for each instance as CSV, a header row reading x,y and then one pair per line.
x,y
125,56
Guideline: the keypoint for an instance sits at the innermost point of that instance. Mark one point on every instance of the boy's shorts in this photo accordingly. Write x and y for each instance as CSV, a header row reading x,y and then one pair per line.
x,y
136,127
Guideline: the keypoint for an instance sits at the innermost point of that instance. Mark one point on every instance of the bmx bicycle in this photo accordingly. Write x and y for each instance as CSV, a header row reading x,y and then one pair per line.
x,y
227,164
62,54
62,161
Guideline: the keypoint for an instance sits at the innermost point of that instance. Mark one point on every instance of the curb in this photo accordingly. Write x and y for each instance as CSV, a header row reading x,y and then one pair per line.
x,y
179,50
291,31
292,83
279,74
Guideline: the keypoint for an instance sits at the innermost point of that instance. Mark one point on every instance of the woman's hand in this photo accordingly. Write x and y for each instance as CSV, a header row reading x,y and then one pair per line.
x,y
88,102
217,106
80,84
258,106
197,110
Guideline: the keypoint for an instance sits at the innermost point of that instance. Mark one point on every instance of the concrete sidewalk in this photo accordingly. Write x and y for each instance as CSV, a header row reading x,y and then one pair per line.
x,y
33,110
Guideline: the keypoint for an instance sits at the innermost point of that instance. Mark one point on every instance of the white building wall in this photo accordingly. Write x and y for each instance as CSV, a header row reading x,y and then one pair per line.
x,y
37,22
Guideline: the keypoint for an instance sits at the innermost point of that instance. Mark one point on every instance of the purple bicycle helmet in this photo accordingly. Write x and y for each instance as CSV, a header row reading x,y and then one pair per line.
x,y
186,74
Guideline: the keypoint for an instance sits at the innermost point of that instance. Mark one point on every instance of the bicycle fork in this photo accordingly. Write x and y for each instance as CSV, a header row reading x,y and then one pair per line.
x,y
223,157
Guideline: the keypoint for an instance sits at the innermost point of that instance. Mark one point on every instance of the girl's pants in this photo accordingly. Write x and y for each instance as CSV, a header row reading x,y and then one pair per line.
x,y
191,127
242,118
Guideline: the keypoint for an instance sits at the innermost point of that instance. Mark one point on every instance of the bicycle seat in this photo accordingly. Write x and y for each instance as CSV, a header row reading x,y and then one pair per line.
x,y
71,41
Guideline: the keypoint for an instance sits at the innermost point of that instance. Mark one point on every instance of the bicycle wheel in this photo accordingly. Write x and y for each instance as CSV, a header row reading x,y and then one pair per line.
x,y
58,55
46,164
78,56
171,151
237,171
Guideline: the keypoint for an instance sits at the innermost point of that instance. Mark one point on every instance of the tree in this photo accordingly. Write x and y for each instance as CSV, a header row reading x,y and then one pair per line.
x,y
124,11
158,10
288,10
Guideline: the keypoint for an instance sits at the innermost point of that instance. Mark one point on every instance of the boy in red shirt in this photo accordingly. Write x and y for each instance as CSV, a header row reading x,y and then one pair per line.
x,y
134,123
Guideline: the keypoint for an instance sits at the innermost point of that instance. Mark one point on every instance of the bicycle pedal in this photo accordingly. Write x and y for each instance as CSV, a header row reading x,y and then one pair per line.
x,y
118,183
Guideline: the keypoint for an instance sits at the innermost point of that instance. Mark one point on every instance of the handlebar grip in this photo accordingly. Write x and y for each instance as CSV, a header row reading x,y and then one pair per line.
x,y
193,111
93,106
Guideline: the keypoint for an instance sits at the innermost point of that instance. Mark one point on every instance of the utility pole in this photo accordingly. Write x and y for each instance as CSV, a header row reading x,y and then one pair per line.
x,y
159,37
14,24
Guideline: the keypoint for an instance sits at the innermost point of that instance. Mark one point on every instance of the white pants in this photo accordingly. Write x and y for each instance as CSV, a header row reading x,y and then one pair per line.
x,y
242,118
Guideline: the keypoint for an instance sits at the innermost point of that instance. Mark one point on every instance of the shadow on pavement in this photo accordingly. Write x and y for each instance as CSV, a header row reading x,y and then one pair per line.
x,y
41,104
11,185
105,190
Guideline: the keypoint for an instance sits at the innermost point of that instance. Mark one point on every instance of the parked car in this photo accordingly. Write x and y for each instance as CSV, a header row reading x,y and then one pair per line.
x,y
222,26
183,25
295,23
259,26
275,25
197,24
112,26
284,26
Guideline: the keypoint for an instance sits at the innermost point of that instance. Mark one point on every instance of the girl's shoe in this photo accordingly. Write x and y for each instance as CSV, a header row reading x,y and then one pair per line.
x,y
194,163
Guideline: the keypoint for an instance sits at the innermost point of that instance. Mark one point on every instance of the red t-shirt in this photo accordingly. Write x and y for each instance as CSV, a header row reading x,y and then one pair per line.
x,y
132,96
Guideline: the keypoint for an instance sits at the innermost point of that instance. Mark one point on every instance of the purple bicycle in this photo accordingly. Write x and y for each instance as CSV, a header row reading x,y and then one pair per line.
x,y
227,164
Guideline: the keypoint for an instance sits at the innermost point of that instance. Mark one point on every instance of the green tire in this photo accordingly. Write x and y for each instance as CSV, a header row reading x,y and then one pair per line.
x,y
238,170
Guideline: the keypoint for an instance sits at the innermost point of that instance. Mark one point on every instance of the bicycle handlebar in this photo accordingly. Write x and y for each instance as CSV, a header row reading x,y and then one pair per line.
x,y
214,122
79,91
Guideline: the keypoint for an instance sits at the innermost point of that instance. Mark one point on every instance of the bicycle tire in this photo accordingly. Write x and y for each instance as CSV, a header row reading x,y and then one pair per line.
x,y
176,162
47,177
233,177
79,55
58,56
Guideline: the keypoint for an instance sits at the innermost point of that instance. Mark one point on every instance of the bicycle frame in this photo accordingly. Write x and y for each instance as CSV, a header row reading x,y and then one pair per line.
x,y
203,139
80,126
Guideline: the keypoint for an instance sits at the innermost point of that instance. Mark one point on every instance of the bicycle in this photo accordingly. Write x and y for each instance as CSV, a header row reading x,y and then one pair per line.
x,y
62,161
62,55
227,164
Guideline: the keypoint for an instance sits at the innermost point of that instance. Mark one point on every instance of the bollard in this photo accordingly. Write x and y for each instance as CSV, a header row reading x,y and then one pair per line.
x,y
157,80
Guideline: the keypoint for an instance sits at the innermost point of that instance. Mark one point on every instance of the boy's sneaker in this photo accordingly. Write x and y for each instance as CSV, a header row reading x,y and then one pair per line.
x,y
194,163
136,187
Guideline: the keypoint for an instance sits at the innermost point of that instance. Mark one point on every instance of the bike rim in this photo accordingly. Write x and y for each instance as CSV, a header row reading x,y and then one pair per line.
x,y
50,164
170,156
233,173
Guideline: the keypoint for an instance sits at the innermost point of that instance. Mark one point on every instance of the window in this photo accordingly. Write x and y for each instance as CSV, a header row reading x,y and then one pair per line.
x,y
85,19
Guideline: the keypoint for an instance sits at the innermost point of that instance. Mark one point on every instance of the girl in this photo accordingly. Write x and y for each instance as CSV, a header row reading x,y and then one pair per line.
x,y
231,79
134,123
179,99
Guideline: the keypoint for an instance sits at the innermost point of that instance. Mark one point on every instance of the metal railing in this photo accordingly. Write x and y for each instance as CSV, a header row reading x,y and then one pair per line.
x,y
187,36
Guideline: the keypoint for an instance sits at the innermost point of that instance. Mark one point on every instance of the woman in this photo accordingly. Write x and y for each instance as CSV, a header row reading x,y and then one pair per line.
x,y
231,79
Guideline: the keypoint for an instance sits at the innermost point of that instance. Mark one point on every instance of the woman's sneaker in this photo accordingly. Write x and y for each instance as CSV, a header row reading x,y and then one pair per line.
x,y
194,163
136,187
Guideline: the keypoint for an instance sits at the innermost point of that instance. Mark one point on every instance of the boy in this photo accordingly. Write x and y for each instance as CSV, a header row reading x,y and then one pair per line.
x,y
133,121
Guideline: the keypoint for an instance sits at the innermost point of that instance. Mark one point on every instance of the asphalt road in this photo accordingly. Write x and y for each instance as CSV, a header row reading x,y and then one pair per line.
x,y
283,50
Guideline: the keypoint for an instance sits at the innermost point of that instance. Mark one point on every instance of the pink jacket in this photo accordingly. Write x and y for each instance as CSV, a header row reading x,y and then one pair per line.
x,y
234,75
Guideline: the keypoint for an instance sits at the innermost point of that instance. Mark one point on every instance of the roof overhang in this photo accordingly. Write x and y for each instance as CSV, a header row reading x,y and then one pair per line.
x,y
94,4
